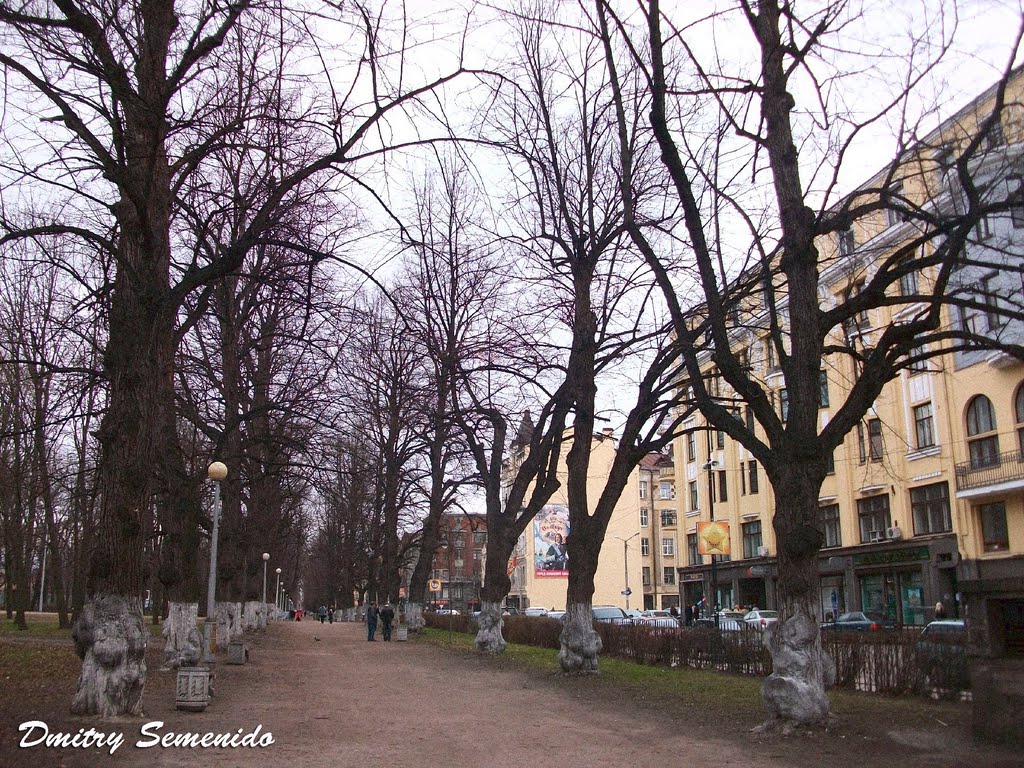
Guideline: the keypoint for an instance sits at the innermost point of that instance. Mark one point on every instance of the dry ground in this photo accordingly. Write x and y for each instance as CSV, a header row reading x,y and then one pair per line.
x,y
332,699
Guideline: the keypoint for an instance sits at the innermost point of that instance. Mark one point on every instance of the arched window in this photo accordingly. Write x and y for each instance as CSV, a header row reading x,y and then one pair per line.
x,y
982,440
1019,408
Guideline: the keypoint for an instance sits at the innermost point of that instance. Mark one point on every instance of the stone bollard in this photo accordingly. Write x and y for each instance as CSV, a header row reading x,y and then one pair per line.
x,y
237,653
192,692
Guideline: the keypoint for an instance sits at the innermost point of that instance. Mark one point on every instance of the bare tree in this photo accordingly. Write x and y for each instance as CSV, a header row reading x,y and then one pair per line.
x,y
719,128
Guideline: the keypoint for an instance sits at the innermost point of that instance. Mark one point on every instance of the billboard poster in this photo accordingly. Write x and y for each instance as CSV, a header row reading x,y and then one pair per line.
x,y
550,532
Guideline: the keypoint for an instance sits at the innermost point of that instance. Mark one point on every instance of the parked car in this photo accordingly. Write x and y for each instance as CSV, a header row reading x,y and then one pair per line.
x,y
557,615
857,621
724,624
760,619
655,614
663,622
538,611
635,614
610,614
942,654
447,611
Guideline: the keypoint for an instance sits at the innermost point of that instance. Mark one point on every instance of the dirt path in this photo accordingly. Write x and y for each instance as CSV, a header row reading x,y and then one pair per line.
x,y
330,698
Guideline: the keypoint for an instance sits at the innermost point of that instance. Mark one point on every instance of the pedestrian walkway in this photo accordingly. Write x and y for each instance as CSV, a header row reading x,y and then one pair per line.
x,y
332,699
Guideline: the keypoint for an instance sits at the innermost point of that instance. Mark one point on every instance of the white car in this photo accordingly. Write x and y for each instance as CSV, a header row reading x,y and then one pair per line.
x,y
535,612
760,619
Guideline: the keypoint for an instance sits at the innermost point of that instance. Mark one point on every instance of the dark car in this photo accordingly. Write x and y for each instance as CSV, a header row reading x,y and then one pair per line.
x,y
857,621
610,614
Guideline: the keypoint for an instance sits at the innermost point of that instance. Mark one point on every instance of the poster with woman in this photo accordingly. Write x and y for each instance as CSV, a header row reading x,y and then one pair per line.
x,y
550,533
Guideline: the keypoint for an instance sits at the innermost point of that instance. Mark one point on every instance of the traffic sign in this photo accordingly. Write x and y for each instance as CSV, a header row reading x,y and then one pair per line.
x,y
627,591
434,585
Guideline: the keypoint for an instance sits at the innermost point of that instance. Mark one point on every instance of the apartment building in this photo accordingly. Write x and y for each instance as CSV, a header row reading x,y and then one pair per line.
x,y
659,522
924,501
459,561
538,568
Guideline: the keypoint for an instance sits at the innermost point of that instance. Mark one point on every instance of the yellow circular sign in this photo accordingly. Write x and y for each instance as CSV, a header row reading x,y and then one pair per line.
x,y
434,585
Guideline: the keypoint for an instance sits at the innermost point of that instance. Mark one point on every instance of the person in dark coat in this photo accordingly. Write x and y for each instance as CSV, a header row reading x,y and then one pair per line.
x,y
371,621
387,615
688,615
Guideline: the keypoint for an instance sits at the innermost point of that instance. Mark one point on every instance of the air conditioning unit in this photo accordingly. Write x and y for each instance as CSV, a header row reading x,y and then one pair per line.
x,y
894,533
762,551
876,536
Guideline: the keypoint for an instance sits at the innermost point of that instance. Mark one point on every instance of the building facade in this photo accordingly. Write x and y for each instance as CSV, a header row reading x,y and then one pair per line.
x,y
660,544
925,498
459,562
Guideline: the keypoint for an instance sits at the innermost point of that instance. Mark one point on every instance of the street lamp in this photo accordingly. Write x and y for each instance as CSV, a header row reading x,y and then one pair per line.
x,y
217,471
277,592
266,556
625,559
710,467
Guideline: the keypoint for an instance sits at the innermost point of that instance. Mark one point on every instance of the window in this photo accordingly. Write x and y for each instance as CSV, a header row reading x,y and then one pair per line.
x,y
668,547
691,446
479,537
666,490
743,480
743,358
1019,408
873,513
924,428
830,463
993,137
723,486
643,489
694,502
645,547
719,439
994,533
769,354
862,454
715,383
893,192
1015,194
875,439
751,538
982,440
691,549
784,404
920,365
647,575
830,528
846,242
929,505
752,477
459,552
982,228
668,517
669,575
643,517
993,320
822,389
862,319
748,417
908,280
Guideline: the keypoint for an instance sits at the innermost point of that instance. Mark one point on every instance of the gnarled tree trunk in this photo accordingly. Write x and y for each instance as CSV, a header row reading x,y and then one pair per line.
x,y
110,637
183,643
414,617
581,645
489,625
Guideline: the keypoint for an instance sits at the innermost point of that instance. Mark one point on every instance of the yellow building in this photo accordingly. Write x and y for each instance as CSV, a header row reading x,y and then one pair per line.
x,y
538,576
925,500
658,519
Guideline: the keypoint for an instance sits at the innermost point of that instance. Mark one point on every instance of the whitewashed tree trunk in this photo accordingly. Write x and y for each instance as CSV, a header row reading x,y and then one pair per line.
x,y
110,638
250,616
489,625
581,644
794,693
183,642
414,617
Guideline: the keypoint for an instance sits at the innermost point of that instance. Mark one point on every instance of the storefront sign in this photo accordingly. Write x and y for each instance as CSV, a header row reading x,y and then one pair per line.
x,y
713,538
892,557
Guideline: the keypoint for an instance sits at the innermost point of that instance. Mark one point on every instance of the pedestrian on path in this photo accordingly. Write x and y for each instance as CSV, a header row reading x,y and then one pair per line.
x,y
371,621
322,613
387,615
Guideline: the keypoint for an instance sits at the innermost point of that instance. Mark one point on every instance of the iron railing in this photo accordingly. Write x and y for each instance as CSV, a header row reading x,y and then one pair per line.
x,y
999,468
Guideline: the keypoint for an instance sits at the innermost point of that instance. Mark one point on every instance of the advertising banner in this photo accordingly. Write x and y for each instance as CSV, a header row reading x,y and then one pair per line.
x,y
550,532
713,538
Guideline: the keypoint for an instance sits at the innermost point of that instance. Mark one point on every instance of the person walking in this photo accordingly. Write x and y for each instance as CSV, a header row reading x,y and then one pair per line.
x,y
322,613
330,614
372,614
387,615
940,611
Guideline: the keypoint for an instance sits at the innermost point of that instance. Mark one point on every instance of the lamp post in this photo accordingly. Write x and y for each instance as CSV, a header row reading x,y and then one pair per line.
x,y
266,557
277,592
217,471
710,466
625,561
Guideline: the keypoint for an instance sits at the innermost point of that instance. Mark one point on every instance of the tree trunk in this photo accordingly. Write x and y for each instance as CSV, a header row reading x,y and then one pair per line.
x,y
489,626
184,642
581,645
414,617
110,638
794,693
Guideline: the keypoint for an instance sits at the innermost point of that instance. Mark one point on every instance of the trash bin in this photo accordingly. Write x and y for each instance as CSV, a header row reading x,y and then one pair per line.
x,y
402,633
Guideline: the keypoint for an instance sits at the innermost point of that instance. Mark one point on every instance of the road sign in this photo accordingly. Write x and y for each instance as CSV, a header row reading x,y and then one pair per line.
x,y
434,585
627,591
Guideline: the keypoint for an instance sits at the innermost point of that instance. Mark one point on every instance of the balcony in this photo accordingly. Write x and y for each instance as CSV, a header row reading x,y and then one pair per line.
x,y
999,473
